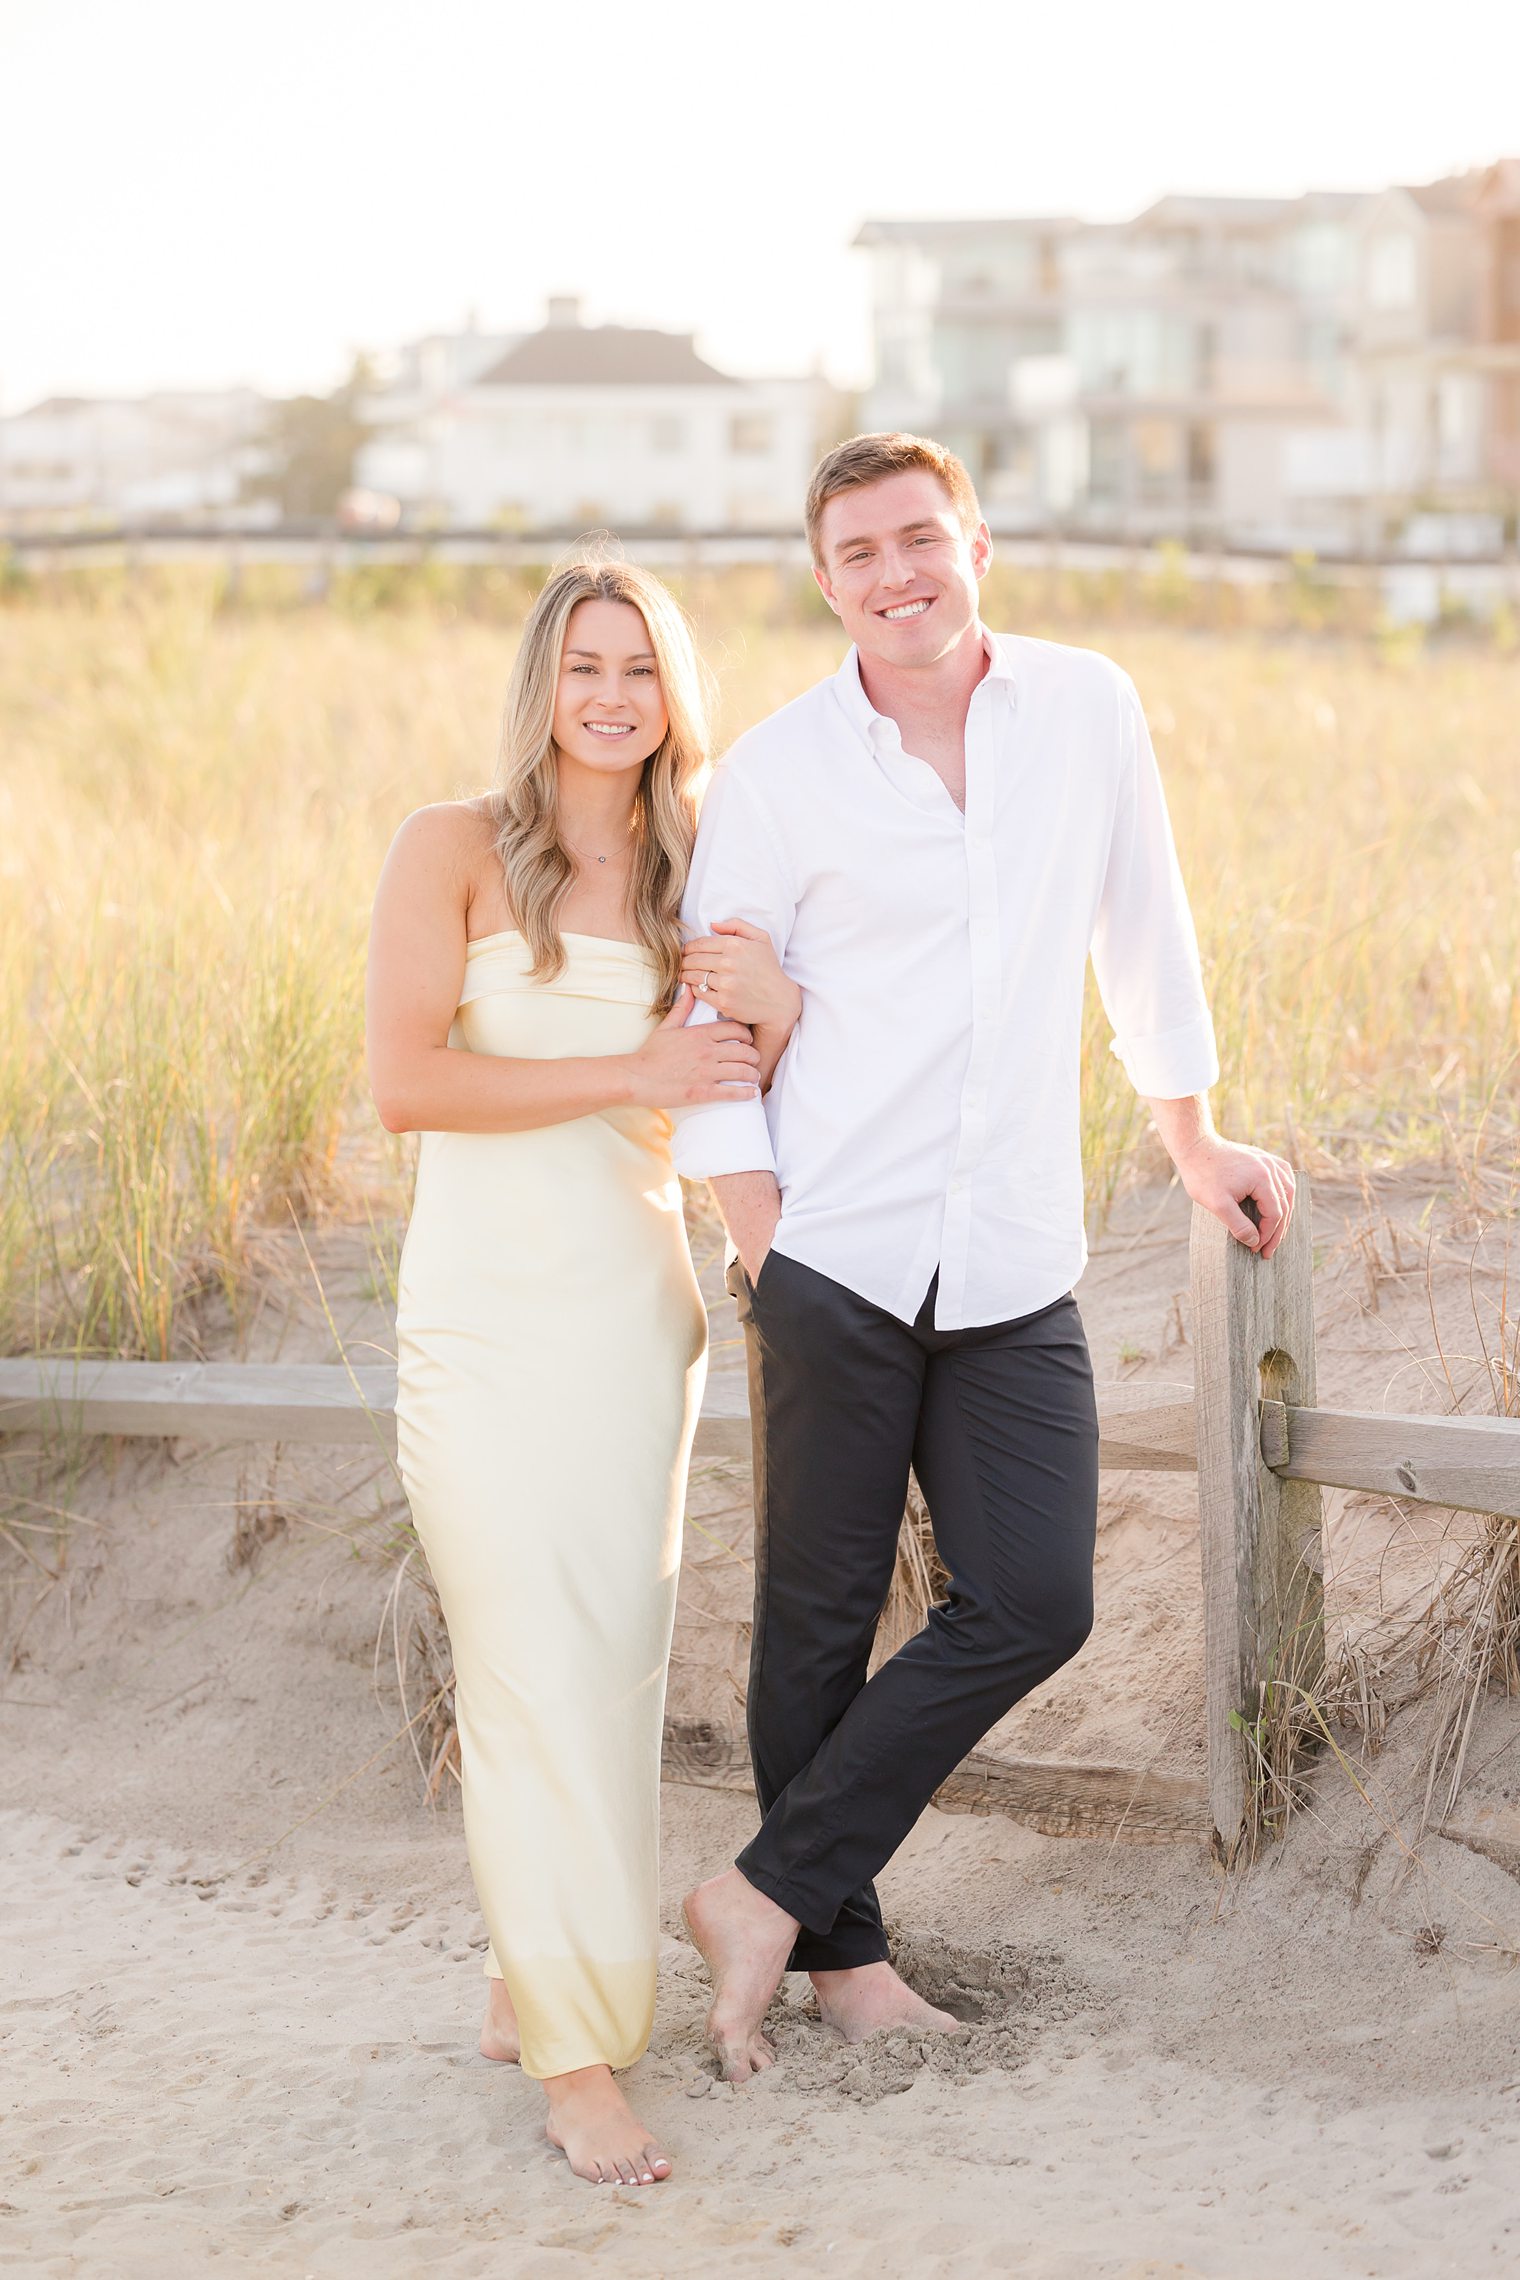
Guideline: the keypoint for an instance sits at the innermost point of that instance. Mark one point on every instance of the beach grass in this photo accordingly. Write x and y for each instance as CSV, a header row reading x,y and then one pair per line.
x,y
196,794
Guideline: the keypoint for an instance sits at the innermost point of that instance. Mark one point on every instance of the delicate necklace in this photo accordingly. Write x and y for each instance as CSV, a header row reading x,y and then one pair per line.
x,y
586,856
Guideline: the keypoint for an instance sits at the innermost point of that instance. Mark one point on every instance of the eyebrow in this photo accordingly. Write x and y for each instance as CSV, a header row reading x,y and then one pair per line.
x,y
925,522
634,656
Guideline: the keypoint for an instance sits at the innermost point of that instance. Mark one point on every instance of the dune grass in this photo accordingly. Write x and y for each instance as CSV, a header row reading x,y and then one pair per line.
x,y
195,799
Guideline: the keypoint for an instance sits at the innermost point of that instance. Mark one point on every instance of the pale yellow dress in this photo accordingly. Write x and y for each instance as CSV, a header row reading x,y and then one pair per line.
x,y
552,1347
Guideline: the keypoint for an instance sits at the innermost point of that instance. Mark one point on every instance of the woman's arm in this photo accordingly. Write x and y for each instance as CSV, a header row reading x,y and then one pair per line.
x,y
416,971
735,969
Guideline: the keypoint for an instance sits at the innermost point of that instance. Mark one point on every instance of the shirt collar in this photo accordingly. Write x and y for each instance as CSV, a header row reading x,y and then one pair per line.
x,y
862,714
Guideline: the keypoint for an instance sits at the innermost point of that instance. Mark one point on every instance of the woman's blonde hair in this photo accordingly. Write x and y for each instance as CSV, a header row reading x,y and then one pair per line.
x,y
525,802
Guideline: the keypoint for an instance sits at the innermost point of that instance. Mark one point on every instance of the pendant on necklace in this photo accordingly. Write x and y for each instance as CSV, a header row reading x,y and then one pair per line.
x,y
601,858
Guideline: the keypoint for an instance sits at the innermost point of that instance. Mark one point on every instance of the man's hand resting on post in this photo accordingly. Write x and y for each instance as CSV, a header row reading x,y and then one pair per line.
x,y
1221,1175
751,1206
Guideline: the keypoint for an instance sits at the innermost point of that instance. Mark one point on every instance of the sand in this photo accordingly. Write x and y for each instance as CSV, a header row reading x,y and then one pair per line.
x,y
243,1967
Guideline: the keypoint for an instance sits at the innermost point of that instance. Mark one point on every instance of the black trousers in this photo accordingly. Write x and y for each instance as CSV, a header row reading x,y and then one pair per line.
x,y
1000,1425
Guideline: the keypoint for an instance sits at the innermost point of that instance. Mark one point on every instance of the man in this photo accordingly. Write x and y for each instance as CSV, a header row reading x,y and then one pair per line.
x,y
935,839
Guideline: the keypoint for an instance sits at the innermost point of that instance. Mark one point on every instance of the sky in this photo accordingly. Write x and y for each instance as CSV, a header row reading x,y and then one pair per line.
x,y
204,192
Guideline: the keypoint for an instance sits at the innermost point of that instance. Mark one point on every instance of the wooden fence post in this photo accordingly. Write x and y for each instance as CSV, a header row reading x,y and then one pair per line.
x,y
1263,1590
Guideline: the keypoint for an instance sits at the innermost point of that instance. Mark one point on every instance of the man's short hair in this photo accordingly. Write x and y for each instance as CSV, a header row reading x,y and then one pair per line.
x,y
868,458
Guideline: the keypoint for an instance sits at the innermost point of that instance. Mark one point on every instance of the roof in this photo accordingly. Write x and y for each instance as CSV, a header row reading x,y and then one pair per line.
x,y
1453,194
602,356
879,231
1332,201
1180,209
161,403
51,406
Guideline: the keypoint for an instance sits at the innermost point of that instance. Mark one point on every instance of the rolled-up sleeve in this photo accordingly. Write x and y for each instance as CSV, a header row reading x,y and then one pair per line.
x,y
737,871
1144,948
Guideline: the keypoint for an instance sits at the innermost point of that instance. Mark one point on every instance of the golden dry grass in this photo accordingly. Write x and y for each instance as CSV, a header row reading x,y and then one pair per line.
x,y
194,802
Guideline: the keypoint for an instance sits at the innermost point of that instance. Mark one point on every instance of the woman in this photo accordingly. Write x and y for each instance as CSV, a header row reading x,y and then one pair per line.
x,y
527,1017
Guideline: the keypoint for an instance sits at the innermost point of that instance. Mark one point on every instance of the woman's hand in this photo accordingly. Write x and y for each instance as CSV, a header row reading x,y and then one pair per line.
x,y
735,968
679,1067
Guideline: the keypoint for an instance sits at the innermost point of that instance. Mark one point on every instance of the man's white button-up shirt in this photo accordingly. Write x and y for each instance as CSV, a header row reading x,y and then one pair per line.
x,y
925,1112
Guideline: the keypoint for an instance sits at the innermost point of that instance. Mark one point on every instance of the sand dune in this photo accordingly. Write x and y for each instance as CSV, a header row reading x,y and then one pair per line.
x,y
243,1979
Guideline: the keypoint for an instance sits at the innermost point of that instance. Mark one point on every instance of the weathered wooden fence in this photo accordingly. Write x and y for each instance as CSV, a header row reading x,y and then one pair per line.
x,y
1250,1429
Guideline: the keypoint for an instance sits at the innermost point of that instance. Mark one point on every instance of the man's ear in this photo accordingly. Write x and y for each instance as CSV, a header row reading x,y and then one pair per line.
x,y
981,550
827,591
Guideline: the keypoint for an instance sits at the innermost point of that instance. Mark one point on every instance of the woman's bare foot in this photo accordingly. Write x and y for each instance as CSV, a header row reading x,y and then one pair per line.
x,y
499,2038
593,2124
744,1939
870,1999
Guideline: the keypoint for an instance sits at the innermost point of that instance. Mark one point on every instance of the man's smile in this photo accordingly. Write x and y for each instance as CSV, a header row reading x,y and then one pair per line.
x,y
911,609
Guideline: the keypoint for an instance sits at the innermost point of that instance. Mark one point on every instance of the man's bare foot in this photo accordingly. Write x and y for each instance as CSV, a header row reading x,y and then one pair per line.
x,y
870,1999
499,2038
593,2124
744,1939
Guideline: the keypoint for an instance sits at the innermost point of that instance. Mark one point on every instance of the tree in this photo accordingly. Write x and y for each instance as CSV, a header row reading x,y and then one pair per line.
x,y
308,448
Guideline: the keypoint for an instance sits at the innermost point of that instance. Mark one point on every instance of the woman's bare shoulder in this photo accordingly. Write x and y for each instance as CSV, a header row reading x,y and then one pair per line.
x,y
449,836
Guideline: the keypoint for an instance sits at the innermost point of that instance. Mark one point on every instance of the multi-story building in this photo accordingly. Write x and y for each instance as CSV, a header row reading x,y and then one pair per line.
x,y
1266,370
181,455
577,425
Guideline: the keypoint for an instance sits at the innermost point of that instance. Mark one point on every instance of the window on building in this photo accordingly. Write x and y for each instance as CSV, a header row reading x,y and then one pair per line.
x,y
1105,462
1317,258
1200,459
667,433
1129,351
1009,464
973,360
892,364
1509,276
1321,351
1456,409
750,432
990,272
1206,359
667,514
1158,459
1392,270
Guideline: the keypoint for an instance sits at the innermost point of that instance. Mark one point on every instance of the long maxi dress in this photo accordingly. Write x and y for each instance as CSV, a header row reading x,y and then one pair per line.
x,y
552,1348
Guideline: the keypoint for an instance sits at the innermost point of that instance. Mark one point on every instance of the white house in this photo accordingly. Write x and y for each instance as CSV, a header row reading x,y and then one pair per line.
x,y
579,426
171,457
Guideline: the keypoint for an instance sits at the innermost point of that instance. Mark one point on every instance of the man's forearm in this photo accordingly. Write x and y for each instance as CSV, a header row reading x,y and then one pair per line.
x,y
1182,1123
751,1205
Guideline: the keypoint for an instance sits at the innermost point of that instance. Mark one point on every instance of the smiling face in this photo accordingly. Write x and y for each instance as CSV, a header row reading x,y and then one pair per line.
x,y
609,709
899,568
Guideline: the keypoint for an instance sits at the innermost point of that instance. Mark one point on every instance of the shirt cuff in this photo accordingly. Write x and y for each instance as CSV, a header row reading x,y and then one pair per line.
x,y
722,1137
1173,1066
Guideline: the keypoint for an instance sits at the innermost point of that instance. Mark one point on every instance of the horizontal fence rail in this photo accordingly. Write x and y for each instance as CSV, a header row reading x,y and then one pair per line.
x,y
1470,1463
1142,1428
1250,1428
